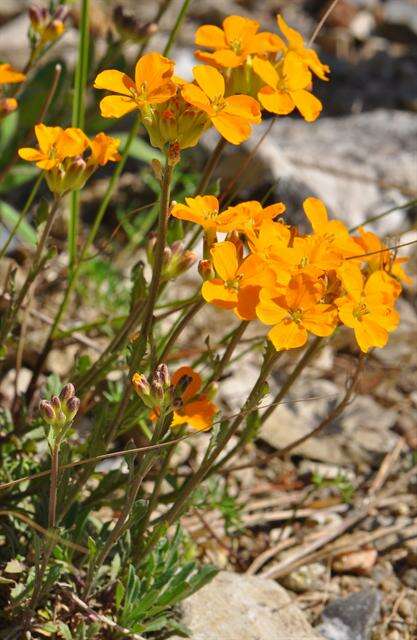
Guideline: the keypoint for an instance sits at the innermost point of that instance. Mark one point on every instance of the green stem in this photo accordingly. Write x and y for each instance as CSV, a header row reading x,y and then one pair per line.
x,y
80,82
22,215
193,481
228,352
53,487
179,328
89,240
176,28
210,167
38,261
159,251
300,366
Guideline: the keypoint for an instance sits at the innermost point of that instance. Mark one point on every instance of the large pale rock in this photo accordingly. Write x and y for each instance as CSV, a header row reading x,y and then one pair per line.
x,y
362,434
360,165
238,607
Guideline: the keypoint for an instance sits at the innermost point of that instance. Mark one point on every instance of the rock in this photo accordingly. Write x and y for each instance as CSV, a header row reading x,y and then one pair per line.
x,y
360,435
360,165
410,578
310,577
238,607
351,618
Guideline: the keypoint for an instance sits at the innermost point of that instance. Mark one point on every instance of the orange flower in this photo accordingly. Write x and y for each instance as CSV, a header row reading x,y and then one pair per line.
x,y
296,45
286,87
296,313
55,144
204,210
367,306
153,84
176,121
231,116
233,44
104,149
238,285
250,215
192,408
380,257
331,232
8,75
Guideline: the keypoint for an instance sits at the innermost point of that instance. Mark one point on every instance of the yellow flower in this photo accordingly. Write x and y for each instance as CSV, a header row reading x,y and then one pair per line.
x,y
8,75
231,116
296,45
60,155
176,122
152,85
286,87
367,307
104,149
55,144
233,44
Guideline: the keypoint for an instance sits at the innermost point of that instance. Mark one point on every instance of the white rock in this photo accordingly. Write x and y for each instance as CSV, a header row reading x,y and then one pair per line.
x,y
238,607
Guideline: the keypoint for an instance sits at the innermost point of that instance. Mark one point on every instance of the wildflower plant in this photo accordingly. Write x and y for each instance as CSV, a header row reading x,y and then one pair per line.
x,y
129,399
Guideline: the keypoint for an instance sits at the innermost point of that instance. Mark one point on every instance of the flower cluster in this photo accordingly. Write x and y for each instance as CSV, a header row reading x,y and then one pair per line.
x,y
180,395
300,284
8,75
60,154
246,72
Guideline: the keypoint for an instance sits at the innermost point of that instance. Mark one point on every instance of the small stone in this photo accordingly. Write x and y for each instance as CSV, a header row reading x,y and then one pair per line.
x,y
409,578
307,578
351,618
406,609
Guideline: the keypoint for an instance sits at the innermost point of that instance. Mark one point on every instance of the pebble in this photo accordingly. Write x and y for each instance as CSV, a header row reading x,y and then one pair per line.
x,y
409,578
406,609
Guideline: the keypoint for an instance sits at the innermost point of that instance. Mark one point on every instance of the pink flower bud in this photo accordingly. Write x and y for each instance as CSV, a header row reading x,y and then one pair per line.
x,y
67,392
47,411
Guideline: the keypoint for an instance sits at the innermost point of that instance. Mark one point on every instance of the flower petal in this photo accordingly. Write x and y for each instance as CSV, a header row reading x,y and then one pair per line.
x,y
116,106
266,71
214,292
211,37
294,38
225,262
244,107
277,102
316,212
287,335
308,105
195,96
233,128
113,80
154,70
210,80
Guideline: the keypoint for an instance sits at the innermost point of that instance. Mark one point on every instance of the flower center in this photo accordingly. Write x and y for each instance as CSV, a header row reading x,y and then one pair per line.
x,y
360,310
296,315
236,46
218,103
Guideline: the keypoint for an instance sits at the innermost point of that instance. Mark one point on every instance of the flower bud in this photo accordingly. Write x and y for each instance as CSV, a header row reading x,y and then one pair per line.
x,y
56,403
143,389
162,375
37,15
167,255
131,28
151,247
61,13
157,391
7,105
67,392
47,411
205,269
71,408
187,260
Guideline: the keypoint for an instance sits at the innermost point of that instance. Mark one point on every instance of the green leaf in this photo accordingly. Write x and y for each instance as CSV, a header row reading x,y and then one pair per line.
x,y
17,177
140,150
9,216
8,128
